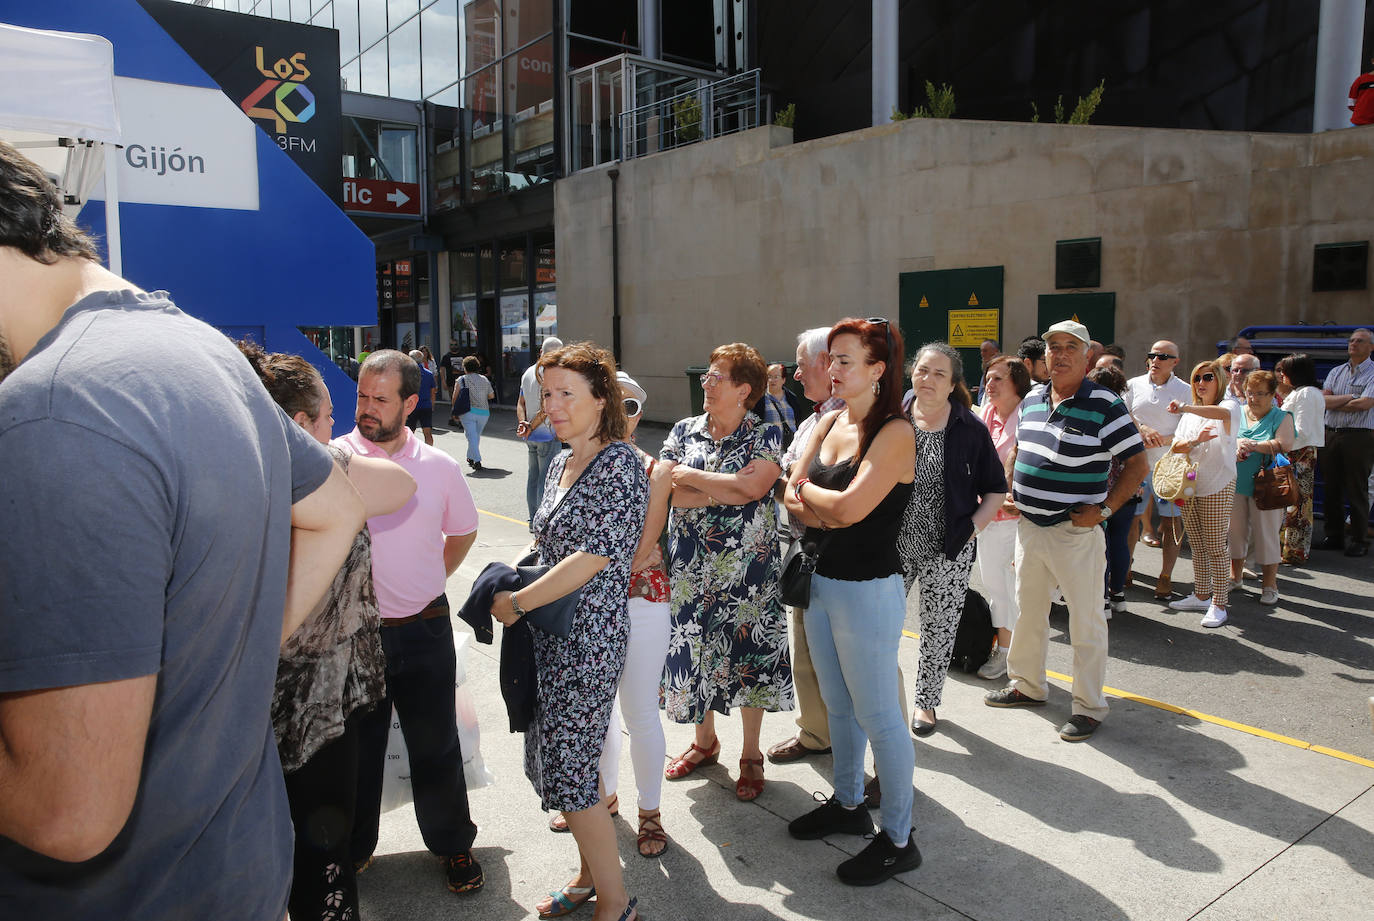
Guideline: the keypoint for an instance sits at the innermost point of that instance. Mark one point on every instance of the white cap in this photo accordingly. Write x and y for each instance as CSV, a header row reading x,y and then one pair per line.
x,y
1072,327
550,343
631,387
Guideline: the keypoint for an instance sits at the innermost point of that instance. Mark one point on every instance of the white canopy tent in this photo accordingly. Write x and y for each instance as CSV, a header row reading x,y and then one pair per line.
x,y
57,103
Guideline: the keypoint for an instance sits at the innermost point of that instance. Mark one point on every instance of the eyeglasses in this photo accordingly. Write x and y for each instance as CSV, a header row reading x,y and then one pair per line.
x,y
1209,377
1161,356
1241,372
887,328
715,378
632,407
1256,394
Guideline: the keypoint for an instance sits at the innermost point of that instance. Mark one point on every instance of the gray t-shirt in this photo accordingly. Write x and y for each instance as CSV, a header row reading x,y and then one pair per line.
x,y
532,390
147,491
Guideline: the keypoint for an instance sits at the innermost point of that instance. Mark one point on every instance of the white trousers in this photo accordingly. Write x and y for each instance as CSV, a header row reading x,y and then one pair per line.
x,y
638,702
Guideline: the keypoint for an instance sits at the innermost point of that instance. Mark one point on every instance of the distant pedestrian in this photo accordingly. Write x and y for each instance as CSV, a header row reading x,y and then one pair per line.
x,y
540,443
1297,376
1148,397
423,416
480,394
1031,353
1348,455
1266,430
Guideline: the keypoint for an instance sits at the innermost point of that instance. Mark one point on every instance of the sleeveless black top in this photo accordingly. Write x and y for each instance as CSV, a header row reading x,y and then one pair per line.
x,y
866,549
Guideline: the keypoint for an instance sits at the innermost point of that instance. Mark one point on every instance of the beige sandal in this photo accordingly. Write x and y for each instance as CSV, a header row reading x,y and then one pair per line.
x,y
559,823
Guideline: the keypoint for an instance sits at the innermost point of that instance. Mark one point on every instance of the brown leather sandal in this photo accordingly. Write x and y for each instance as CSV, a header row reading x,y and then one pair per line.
x,y
682,765
651,830
749,788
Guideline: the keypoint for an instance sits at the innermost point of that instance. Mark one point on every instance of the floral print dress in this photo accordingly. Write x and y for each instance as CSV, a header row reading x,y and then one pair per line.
x,y
601,514
728,644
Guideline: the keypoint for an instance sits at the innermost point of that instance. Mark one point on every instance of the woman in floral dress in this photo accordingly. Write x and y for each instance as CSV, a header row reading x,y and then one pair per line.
x,y
587,528
728,646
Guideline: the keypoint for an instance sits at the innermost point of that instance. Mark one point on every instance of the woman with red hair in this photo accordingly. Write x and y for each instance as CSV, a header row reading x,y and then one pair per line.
x,y
850,488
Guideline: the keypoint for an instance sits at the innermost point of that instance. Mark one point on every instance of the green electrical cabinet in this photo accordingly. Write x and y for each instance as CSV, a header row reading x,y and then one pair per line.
x,y
1097,311
959,306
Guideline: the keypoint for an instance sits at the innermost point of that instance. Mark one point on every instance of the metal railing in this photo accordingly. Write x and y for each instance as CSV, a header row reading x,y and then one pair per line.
x,y
715,109
628,106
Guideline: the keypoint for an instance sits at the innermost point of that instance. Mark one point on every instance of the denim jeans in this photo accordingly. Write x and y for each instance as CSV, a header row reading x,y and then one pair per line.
x,y
853,629
541,456
420,672
1119,547
473,423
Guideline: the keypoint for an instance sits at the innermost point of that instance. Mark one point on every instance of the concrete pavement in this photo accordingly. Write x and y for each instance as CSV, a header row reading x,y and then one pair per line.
x,y
1162,815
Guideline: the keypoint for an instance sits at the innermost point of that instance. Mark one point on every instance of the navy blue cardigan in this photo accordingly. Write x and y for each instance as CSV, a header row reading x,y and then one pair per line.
x,y
972,469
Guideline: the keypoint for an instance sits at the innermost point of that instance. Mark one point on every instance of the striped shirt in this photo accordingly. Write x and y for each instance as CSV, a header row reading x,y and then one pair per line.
x,y
1358,381
1064,453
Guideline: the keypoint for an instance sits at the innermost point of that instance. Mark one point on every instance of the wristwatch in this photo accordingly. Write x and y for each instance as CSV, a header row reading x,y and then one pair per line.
x,y
1106,510
515,606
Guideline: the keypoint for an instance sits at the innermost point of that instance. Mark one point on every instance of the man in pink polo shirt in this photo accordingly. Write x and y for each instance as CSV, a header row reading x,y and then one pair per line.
x,y
414,551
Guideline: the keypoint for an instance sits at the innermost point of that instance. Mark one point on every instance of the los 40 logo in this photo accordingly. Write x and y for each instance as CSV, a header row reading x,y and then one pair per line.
x,y
284,79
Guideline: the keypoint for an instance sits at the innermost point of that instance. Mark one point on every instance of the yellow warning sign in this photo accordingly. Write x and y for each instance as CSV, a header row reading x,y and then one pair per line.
x,y
924,302
968,328
973,299
1075,319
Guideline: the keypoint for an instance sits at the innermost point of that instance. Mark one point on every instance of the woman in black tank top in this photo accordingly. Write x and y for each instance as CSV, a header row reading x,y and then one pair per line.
x,y
850,490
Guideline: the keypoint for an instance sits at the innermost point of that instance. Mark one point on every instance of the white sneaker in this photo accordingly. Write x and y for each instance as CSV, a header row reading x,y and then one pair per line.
x,y
1269,596
1214,617
1237,584
996,665
1190,603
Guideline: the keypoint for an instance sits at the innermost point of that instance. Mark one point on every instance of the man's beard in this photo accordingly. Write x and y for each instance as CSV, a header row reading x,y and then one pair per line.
x,y
7,362
382,434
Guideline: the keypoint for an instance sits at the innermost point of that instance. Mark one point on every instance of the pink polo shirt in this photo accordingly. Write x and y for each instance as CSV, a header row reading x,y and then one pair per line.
x,y
408,545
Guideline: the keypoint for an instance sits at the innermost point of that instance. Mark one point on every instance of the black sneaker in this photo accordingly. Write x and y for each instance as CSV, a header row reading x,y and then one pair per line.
x,y
1010,697
1078,728
880,861
830,818
464,873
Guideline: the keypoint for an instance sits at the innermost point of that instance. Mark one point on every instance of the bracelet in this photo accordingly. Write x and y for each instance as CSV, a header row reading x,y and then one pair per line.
x,y
796,490
515,606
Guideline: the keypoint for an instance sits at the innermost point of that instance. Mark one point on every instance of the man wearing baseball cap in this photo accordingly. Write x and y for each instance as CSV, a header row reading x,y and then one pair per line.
x,y
1068,433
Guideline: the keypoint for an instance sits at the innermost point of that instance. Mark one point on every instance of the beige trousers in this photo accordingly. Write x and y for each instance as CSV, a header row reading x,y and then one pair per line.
x,y
1075,559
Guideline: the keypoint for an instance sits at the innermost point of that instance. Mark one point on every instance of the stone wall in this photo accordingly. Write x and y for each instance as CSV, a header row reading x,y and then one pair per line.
x,y
753,238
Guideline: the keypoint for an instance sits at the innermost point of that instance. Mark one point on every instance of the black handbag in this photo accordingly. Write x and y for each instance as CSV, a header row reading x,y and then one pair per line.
x,y
794,585
462,401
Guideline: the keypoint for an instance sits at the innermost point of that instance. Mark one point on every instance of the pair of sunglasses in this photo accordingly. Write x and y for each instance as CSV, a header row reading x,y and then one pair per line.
x,y
1209,376
1162,356
632,407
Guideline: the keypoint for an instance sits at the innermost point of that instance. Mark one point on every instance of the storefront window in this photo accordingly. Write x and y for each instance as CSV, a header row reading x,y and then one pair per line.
x,y
529,100
486,153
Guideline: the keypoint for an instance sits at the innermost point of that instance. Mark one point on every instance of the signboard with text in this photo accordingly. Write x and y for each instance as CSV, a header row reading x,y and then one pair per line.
x,y
381,196
282,75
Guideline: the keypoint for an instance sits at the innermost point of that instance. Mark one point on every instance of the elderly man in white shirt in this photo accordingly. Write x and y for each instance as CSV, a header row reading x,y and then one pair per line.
x,y
1148,397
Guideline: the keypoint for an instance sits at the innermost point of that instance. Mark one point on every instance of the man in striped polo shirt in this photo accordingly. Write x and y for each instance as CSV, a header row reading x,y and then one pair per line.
x,y
1068,432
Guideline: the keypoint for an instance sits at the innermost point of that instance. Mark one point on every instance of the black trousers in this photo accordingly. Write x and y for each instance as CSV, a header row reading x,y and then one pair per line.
x,y
1345,462
420,672
321,794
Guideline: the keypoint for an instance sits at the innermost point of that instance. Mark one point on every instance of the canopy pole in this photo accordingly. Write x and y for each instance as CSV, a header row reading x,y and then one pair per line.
x,y
112,240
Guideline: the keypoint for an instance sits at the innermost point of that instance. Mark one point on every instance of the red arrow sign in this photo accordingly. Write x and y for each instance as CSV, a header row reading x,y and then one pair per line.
x,y
381,196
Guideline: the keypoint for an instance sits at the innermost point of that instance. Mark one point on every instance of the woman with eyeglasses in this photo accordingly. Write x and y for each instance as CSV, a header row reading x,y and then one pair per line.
x,y
1207,433
851,487
959,488
1297,376
1265,431
637,698
728,646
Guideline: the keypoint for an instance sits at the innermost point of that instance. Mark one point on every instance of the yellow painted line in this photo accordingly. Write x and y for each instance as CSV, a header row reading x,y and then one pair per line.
x,y
522,524
1214,720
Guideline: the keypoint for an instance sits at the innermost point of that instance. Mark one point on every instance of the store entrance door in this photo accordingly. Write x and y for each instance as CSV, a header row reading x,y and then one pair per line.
x,y
959,306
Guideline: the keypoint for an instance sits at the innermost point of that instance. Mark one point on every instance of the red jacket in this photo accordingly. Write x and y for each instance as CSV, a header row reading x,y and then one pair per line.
x,y
1362,92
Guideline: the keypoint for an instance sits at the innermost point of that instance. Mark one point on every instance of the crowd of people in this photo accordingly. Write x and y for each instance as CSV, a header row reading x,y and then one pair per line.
x,y
269,596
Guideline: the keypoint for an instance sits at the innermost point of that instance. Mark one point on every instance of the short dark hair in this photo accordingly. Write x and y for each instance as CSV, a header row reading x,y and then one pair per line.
x,y
472,364
1110,378
1032,347
1300,370
384,360
1020,377
960,393
31,218
1116,350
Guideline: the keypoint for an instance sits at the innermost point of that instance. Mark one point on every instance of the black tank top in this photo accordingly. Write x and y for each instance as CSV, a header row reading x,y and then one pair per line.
x,y
866,549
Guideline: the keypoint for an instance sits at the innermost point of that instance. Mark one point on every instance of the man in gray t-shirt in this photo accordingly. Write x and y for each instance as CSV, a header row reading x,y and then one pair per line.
x,y
153,496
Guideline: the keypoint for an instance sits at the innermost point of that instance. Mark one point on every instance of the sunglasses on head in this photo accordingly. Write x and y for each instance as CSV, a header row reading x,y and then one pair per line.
x,y
887,328
1162,356
632,407
1209,376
